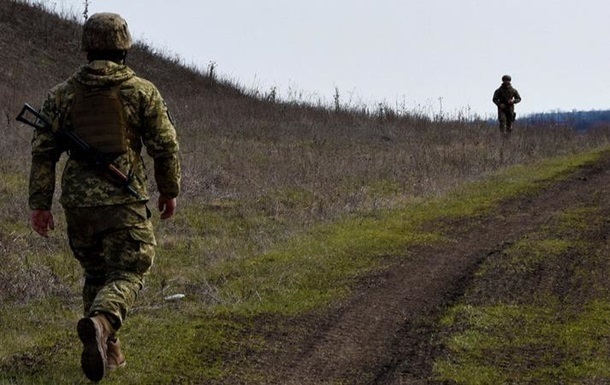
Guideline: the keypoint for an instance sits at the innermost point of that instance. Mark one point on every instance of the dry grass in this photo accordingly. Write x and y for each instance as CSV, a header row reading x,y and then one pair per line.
x,y
277,166
259,174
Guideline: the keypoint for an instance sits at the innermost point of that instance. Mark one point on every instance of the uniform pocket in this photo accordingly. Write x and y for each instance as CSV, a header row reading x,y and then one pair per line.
x,y
130,250
145,235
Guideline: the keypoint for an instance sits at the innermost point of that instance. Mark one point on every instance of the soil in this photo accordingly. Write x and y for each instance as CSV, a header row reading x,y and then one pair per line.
x,y
386,332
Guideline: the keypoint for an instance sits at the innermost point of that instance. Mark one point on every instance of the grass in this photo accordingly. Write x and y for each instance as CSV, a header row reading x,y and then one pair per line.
x,y
210,335
206,336
528,344
555,329
284,207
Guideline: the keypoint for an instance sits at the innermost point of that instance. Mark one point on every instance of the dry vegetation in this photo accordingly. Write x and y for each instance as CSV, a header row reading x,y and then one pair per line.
x,y
291,161
257,171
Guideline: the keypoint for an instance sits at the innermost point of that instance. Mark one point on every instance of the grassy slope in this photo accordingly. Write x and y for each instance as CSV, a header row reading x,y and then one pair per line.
x,y
315,199
198,339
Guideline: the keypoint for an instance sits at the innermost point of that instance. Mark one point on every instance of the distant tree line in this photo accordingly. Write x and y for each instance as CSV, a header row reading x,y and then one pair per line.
x,y
578,120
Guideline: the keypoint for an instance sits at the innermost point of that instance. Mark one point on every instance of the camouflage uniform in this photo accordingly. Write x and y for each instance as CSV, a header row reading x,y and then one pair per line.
x,y
109,230
505,97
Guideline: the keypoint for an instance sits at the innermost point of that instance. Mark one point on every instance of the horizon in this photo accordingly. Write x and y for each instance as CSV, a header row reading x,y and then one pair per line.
x,y
315,51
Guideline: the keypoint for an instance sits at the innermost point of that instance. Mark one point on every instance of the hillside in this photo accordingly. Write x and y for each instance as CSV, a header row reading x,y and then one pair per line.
x,y
320,245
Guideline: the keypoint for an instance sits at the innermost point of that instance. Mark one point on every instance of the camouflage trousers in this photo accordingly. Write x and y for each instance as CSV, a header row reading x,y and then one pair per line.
x,y
506,119
115,247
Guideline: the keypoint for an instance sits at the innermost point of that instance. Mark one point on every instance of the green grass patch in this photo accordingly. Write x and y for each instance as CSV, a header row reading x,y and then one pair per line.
x,y
205,346
13,183
527,344
26,322
578,220
314,268
528,254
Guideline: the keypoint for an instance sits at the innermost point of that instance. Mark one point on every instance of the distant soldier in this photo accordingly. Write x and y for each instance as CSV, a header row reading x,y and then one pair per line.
x,y
108,226
505,98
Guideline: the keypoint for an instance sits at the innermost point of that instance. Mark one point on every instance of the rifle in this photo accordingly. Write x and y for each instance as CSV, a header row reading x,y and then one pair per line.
x,y
95,158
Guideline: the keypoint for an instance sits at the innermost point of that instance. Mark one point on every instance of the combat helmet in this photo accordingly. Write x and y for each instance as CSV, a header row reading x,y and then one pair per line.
x,y
506,78
105,31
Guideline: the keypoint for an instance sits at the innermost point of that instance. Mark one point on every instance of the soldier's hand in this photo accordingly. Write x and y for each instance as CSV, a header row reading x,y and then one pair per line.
x,y
42,221
167,206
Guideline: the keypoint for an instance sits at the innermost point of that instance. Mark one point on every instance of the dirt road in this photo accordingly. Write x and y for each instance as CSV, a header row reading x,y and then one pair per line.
x,y
385,334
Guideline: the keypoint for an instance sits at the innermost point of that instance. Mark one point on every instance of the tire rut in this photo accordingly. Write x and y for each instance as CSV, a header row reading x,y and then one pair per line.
x,y
384,334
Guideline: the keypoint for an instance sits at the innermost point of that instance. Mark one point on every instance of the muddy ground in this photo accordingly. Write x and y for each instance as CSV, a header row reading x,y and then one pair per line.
x,y
386,333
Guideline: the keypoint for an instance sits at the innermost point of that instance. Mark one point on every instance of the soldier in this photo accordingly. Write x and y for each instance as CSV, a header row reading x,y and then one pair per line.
x,y
109,230
505,98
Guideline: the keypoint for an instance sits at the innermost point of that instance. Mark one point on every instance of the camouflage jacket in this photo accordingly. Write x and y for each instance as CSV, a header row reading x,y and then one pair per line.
x,y
503,95
82,186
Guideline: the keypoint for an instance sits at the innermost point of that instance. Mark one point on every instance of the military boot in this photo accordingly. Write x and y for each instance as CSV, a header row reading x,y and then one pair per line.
x,y
94,333
116,358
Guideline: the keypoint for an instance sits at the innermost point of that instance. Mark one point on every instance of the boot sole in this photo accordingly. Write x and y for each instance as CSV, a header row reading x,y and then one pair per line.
x,y
93,359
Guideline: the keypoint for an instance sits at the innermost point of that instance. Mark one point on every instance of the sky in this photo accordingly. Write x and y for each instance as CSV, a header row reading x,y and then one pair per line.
x,y
429,56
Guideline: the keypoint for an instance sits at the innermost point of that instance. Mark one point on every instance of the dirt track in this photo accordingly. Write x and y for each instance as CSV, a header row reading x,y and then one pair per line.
x,y
385,334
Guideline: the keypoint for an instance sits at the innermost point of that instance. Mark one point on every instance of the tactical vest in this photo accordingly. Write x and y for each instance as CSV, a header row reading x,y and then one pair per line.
x,y
98,118
506,94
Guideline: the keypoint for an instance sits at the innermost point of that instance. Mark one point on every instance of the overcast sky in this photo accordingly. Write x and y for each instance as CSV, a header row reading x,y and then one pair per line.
x,y
417,54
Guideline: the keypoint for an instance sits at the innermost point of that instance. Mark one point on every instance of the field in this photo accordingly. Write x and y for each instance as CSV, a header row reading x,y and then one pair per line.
x,y
321,244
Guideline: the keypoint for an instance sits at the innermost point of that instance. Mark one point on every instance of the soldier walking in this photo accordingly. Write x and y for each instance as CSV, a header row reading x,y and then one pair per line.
x,y
505,98
109,227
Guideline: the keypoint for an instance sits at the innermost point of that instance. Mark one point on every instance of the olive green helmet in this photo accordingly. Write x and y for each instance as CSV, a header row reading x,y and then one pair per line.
x,y
105,31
